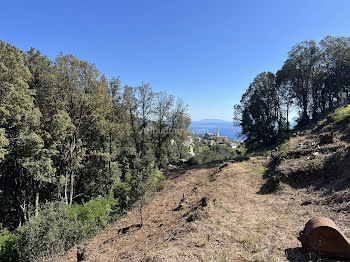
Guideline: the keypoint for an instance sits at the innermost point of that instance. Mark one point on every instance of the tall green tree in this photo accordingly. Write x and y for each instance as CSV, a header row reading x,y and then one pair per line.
x,y
299,71
26,164
259,111
69,134
336,67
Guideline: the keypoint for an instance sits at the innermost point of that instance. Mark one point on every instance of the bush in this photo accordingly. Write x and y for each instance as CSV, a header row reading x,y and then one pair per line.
x,y
95,214
215,153
195,161
53,231
341,113
156,179
57,228
9,246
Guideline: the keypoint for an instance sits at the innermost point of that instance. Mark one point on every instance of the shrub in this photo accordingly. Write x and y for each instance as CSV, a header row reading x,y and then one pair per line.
x,y
156,179
122,193
53,231
215,153
194,161
94,214
341,113
9,246
58,227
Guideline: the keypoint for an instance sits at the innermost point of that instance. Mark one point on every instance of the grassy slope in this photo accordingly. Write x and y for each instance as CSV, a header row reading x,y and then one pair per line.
x,y
239,223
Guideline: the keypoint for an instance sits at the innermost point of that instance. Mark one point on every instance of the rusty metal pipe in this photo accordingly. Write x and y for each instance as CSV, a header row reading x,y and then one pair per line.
x,y
322,236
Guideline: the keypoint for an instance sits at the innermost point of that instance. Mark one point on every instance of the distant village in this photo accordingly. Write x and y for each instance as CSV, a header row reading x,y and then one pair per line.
x,y
210,140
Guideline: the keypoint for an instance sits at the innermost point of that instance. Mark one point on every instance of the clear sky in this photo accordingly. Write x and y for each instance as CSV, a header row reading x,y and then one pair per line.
x,y
206,52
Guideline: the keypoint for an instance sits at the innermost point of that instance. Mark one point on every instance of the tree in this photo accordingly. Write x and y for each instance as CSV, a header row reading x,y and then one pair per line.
x,y
68,134
3,143
259,111
336,67
170,127
26,163
285,97
310,81
299,71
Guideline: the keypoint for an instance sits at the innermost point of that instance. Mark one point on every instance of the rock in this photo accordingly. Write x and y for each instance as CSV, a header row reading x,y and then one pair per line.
x,y
306,203
327,138
81,253
150,259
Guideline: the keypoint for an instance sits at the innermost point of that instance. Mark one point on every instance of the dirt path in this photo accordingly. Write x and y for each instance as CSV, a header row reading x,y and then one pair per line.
x,y
214,215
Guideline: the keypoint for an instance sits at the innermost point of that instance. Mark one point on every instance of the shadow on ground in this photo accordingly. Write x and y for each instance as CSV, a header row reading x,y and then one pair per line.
x,y
330,177
299,254
172,173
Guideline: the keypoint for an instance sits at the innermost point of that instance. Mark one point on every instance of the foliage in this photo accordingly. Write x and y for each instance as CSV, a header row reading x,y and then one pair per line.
x,y
57,228
310,82
156,178
69,136
9,246
341,113
95,214
218,152
260,110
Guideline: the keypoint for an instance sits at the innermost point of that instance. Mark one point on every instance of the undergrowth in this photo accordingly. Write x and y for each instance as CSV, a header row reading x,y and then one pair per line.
x,y
341,113
58,227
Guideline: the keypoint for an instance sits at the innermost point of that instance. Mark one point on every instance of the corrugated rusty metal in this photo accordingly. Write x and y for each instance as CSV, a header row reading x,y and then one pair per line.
x,y
325,238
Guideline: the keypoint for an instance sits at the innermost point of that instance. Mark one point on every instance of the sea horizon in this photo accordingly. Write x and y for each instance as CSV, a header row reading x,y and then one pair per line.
x,y
226,128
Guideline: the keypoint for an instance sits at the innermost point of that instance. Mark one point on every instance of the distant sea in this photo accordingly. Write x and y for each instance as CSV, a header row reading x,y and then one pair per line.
x,y
226,128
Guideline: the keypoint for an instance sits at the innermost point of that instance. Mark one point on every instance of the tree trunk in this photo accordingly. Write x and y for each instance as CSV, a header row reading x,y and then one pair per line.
x,y
73,146
287,117
24,210
66,189
71,188
330,102
110,154
37,203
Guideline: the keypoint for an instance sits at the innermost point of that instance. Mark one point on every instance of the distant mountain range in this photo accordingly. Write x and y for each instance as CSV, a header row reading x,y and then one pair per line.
x,y
226,128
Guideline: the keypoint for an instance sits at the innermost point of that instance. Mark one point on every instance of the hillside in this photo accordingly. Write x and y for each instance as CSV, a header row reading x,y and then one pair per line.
x,y
244,211
317,158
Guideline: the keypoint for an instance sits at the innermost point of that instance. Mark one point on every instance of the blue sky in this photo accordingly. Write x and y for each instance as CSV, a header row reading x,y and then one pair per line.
x,y
206,52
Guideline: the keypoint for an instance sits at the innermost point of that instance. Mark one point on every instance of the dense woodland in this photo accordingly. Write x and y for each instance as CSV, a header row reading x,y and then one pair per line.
x,y
309,83
70,135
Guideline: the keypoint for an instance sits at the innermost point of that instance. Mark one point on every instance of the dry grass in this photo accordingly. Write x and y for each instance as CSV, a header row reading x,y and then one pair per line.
x,y
238,224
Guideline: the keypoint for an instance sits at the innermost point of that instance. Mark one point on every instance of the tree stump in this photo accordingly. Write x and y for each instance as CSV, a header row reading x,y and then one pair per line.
x,y
327,138
81,253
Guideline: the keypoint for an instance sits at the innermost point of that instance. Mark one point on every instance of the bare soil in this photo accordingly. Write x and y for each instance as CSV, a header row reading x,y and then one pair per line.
x,y
216,214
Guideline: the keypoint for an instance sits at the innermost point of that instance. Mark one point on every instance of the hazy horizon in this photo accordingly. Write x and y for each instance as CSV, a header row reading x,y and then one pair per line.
x,y
226,128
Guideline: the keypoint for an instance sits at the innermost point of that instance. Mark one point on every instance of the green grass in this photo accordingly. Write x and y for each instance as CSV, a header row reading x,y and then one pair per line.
x,y
341,113
267,153
260,169
284,147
